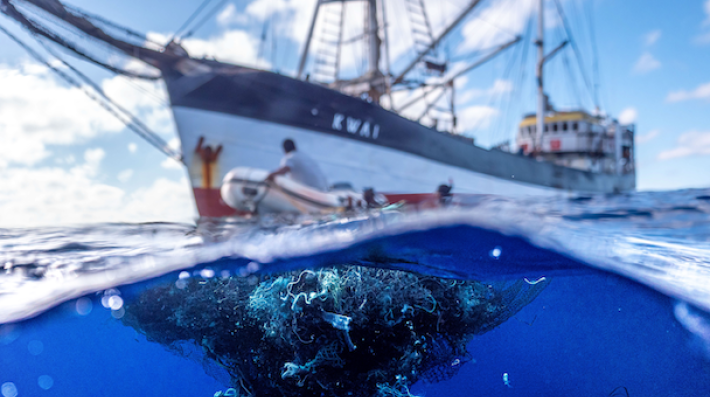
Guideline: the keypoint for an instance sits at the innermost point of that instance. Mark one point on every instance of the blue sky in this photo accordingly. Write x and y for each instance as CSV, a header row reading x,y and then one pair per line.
x,y
64,160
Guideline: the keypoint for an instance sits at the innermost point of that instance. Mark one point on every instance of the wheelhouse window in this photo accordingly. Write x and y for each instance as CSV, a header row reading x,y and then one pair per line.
x,y
564,126
575,126
554,127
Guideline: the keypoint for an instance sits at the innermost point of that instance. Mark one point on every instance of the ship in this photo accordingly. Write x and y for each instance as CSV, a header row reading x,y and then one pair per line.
x,y
230,115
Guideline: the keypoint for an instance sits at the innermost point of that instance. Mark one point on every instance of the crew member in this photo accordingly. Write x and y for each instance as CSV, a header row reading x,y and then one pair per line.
x,y
300,167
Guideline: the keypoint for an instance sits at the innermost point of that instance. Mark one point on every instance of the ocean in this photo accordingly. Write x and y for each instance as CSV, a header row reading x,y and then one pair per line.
x,y
490,296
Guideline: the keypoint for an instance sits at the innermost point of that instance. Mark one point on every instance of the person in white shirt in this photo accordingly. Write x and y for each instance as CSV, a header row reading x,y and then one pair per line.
x,y
300,168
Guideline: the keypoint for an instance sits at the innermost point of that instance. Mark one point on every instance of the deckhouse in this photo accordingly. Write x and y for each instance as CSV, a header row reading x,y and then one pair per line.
x,y
579,140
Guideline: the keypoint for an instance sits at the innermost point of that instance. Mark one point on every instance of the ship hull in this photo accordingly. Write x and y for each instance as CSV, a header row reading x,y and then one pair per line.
x,y
250,112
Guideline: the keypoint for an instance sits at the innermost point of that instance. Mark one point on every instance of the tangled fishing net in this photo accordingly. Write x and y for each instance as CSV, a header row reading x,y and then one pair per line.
x,y
347,331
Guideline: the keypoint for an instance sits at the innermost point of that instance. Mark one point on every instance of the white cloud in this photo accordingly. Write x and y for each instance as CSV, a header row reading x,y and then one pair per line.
x,y
499,87
494,24
628,116
294,15
701,92
171,164
475,117
55,196
229,15
125,175
69,160
689,144
94,156
703,38
641,139
646,63
164,201
235,46
132,147
68,116
92,162
146,100
652,37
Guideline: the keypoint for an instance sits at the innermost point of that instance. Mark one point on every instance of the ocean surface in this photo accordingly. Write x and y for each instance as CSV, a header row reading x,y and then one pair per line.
x,y
591,296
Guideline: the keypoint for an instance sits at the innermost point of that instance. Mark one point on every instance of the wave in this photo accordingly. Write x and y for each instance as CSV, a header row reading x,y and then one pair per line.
x,y
651,238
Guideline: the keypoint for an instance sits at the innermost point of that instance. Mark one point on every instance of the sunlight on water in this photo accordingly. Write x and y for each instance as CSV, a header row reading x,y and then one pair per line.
x,y
658,239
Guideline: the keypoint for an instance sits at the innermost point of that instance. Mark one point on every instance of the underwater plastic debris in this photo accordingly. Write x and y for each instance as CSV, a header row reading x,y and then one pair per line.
x,y
341,322
539,280
231,392
283,334
506,380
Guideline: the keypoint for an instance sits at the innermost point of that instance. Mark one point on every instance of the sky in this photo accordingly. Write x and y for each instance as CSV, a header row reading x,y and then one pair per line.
x,y
65,160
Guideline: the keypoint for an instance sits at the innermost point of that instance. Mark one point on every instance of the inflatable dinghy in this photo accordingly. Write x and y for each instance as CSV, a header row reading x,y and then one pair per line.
x,y
246,189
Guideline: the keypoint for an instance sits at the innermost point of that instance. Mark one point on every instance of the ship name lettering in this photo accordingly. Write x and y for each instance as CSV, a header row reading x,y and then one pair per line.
x,y
355,126
338,122
365,130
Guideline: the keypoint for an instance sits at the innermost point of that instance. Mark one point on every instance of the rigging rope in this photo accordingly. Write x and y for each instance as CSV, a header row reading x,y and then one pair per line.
x,y
595,55
573,43
112,24
204,19
102,100
189,20
10,10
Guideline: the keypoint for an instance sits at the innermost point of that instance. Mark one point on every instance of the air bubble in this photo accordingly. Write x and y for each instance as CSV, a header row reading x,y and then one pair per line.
x,y
84,306
495,252
115,302
9,333
45,382
118,314
8,389
35,347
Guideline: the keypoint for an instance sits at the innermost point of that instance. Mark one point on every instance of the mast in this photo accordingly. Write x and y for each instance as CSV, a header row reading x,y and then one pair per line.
x,y
436,41
373,38
539,75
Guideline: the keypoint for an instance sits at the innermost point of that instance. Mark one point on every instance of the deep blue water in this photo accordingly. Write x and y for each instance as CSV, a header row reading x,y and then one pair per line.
x,y
613,319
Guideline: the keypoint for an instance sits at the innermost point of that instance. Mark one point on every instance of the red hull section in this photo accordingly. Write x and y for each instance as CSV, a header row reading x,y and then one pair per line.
x,y
210,204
